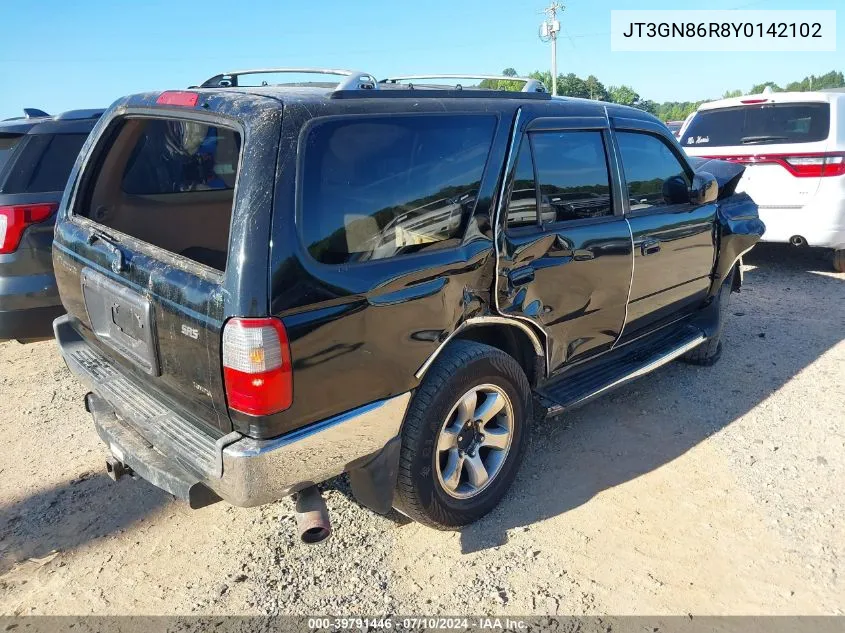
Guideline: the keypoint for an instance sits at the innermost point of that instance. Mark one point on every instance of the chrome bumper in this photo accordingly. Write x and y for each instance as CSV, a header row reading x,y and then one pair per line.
x,y
174,454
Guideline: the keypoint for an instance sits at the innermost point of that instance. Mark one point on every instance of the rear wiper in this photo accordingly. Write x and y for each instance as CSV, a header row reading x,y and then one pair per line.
x,y
749,140
112,244
97,234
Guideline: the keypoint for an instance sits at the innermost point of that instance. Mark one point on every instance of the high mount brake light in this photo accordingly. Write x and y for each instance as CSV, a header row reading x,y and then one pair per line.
x,y
821,165
14,220
257,369
178,98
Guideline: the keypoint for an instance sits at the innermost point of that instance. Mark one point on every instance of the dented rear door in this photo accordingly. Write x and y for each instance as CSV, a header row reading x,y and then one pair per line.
x,y
566,260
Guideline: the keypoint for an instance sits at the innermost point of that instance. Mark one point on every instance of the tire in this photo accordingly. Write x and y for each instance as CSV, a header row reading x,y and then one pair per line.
x,y
709,352
839,260
425,490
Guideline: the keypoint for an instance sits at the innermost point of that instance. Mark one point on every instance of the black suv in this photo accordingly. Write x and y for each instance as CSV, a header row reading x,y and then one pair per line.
x,y
36,155
268,286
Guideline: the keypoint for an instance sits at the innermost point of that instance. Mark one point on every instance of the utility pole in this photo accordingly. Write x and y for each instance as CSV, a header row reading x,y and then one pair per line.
x,y
548,33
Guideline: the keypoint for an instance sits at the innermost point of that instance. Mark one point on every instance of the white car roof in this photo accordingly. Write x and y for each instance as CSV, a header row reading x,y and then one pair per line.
x,y
822,96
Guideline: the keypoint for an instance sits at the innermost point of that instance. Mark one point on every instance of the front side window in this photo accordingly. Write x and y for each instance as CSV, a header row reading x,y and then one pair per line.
x,y
654,174
379,187
573,176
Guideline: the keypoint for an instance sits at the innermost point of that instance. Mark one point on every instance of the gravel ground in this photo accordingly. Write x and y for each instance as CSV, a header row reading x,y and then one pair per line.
x,y
695,490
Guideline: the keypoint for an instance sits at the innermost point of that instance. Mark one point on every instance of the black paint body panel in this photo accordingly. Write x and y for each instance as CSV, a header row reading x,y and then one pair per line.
x,y
360,332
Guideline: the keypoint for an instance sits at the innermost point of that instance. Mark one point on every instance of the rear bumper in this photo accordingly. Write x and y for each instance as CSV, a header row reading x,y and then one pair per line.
x,y
820,223
31,323
177,456
28,305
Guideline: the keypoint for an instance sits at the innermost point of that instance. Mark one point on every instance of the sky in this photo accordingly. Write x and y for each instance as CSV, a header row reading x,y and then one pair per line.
x,y
60,55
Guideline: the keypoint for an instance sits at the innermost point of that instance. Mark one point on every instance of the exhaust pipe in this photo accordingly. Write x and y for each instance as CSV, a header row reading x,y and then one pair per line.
x,y
797,240
312,516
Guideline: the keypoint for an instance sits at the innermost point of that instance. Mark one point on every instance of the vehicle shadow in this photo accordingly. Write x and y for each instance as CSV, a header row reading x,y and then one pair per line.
x,y
784,256
785,318
73,514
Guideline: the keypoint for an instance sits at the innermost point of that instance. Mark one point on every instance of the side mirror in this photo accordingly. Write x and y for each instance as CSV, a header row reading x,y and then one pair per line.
x,y
676,190
704,188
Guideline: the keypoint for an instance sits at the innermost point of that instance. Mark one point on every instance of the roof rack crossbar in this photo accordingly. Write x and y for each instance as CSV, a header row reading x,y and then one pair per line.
x,y
531,84
352,79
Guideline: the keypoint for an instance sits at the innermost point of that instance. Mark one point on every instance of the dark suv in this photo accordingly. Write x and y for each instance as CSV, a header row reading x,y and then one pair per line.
x,y
269,286
36,155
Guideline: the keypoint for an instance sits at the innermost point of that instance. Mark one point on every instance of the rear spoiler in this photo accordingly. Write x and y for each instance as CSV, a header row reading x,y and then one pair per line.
x,y
727,174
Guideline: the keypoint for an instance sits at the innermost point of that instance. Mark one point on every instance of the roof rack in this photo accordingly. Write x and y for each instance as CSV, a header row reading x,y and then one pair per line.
x,y
531,85
353,79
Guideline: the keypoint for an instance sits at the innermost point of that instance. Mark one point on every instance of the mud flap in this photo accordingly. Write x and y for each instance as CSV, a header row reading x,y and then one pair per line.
x,y
373,482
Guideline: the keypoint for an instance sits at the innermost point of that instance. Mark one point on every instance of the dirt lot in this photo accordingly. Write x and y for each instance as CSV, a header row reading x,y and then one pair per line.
x,y
696,490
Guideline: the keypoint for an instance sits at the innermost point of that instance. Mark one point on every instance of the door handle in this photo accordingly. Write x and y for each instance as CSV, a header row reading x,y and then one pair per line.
x,y
521,276
582,255
650,247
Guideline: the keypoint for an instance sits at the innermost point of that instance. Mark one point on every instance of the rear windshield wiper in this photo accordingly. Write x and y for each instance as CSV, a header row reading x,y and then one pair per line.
x,y
112,245
749,140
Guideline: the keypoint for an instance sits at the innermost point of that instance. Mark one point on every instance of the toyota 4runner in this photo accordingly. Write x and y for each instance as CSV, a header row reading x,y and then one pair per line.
x,y
270,285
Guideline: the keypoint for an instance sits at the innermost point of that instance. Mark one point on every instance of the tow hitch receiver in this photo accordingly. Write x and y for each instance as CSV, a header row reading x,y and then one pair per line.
x,y
117,469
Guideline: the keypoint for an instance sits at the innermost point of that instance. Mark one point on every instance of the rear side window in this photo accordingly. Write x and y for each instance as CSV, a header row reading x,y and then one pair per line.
x,y
654,174
44,163
573,176
759,125
8,142
385,186
169,183
522,207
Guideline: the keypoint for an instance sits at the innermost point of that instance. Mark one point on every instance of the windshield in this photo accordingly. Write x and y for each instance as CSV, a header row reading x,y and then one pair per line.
x,y
759,125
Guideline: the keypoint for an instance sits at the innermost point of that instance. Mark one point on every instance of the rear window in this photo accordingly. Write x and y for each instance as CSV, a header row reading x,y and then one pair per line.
x,y
759,125
385,186
169,183
8,142
44,163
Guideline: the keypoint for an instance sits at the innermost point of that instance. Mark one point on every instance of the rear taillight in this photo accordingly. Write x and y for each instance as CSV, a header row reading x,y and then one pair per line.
x,y
256,366
15,219
821,165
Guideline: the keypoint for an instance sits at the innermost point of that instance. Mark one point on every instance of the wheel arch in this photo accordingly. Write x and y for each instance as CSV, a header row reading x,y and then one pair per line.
x,y
515,338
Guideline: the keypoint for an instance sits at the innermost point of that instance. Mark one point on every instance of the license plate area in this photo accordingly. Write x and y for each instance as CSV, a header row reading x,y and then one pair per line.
x,y
122,319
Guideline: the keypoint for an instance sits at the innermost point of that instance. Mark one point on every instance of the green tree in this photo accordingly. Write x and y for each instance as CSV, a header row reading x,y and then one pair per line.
x,y
833,79
544,77
758,88
623,95
503,84
572,86
648,105
730,94
596,89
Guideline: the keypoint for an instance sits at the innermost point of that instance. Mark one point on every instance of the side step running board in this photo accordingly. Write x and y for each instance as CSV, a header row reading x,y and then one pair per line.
x,y
621,366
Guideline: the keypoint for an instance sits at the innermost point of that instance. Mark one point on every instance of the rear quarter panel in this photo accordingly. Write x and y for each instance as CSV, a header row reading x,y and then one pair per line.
x,y
359,332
